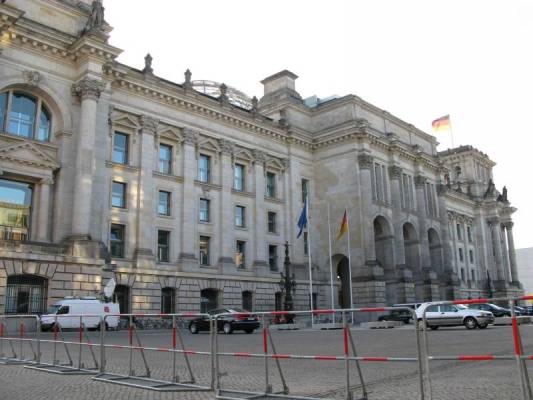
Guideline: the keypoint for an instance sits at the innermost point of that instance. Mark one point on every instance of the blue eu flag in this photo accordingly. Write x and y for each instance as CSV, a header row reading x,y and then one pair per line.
x,y
302,221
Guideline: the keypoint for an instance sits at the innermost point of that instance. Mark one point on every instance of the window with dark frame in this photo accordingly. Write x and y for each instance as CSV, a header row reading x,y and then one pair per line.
x,y
118,197
240,254
163,246
204,210
168,300
238,182
270,184
240,216
471,255
116,240
204,250
273,257
204,173
120,148
461,255
165,159
247,300
163,206
305,189
271,222
24,115
469,233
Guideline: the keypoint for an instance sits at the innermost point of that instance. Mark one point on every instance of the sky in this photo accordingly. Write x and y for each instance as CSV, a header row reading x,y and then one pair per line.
x,y
419,60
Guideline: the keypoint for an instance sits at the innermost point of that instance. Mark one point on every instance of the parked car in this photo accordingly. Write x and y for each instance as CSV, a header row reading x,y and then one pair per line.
x,y
451,315
497,311
240,320
520,311
397,315
414,306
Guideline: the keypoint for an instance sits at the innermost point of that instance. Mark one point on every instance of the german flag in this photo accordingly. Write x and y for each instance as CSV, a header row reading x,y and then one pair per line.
x,y
441,124
344,226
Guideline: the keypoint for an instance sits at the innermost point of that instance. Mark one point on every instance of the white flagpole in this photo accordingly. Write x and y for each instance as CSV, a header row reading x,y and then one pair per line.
x,y
309,258
331,267
349,263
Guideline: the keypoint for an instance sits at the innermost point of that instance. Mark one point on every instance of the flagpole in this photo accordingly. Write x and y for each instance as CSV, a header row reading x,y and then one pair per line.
x,y
330,267
349,263
309,258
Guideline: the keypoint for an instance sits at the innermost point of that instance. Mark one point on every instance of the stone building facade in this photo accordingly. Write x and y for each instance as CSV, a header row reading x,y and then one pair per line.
x,y
186,197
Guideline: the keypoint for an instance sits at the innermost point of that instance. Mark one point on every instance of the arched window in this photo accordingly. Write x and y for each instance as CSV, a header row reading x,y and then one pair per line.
x,y
24,115
122,297
26,294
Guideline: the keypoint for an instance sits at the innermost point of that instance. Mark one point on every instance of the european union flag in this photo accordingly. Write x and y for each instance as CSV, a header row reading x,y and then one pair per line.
x,y
302,221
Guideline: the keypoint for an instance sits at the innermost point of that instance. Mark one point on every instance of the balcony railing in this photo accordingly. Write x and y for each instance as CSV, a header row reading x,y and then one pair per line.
x,y
16,233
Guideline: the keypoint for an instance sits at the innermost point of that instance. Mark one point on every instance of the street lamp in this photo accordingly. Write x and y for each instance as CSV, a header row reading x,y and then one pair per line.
x,y
287,284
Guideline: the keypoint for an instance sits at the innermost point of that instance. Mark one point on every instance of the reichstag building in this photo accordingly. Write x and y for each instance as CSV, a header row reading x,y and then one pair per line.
x,y
186,192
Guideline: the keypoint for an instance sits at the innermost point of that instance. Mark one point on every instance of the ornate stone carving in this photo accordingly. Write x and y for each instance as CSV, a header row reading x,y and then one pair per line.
x,y
148,65
286,163
494,221
395,172
420,181
47,181
508,225
149,124
255,102
96,21
365,161
188,74
491,189
259,156
190,137
31,78
223,98
226,146
88,89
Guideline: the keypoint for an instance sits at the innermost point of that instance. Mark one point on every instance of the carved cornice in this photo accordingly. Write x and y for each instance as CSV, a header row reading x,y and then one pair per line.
x,y
365,161
88,89
395,172
149,125
227,147
32,78
508,225
47,181
190,137
259,156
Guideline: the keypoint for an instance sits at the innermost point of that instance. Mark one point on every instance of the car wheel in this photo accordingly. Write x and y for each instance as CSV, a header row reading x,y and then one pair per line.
x,y
193,328
470,323
249,331
434,327
227,328
482,326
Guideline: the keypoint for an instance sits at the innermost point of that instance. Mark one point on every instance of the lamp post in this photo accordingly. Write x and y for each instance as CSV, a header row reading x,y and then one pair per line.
x,y
287,283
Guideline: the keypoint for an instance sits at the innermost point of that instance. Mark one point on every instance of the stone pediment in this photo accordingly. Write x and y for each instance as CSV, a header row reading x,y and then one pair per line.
x,y
26,153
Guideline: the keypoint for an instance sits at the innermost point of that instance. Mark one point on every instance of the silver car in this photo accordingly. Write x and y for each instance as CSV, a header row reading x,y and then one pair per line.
x,y
453,315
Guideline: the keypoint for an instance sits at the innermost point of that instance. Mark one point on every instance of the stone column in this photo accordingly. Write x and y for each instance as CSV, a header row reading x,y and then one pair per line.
x,y
395,175
88,90
512,252
227,212
365,165
188,254
420,184
259,228
497,248
43,227
505,254
145,195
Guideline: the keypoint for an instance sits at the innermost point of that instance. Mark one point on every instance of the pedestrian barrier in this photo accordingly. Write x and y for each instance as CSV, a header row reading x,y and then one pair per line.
x,y
269,355
168,382
16,340
518,356
81,340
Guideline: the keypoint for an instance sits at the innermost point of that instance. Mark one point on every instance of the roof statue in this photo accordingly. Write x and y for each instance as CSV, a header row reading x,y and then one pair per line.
x,y
148,64
490,189
96,20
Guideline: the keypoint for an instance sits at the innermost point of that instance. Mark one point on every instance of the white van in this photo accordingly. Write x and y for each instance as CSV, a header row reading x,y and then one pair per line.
x,y
67,313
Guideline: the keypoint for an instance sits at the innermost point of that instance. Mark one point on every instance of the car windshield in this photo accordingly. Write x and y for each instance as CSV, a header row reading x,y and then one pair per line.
x,y
236,310
53,308
461,306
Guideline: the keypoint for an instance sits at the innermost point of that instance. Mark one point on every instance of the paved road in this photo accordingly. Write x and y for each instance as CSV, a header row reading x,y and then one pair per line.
x,y
451,379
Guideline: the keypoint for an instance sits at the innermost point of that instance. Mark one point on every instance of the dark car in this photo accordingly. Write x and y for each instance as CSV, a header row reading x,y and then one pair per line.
x,y
237,320
399,315
497,311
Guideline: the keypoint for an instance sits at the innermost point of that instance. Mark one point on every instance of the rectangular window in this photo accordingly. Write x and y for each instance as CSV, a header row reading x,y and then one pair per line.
x,y
238,177
3,109
471,255
306,249
407,192
116,240
459,232
168,300
305,189
163,207
204,168
462,274
270,185
379,182
118,197
469,233
240,216
165,159
273,257
271,222
120,148
204,210
204,250
163,246
431,204
240,253
461,255
473,276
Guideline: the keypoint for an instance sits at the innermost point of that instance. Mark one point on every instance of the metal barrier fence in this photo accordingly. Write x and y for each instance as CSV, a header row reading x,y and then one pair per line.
x,y
518,356
135,345
80,341
18,327
270,353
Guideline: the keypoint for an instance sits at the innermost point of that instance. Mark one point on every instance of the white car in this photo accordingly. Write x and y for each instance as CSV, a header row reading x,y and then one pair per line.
x,y
453,315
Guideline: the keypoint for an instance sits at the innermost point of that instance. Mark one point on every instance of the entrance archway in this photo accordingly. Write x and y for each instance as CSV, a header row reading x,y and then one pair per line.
x,y
343,276
208,300
435,251
384,244
122,297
